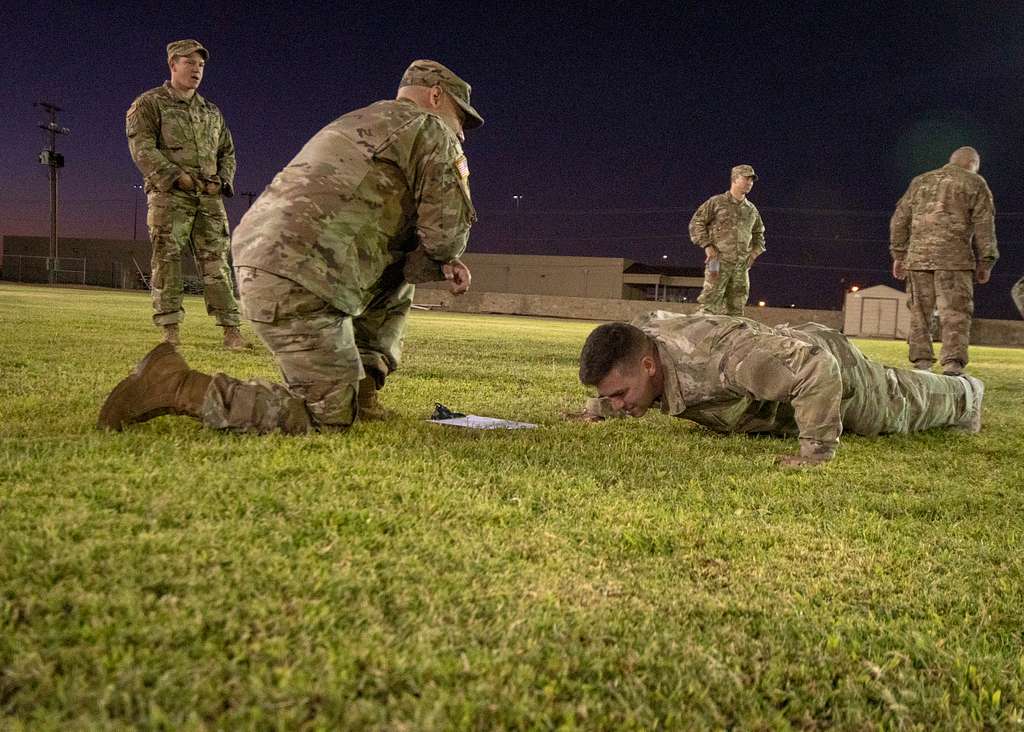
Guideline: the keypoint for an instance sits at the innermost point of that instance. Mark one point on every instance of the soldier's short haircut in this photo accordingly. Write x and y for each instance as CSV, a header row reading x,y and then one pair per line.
x,y
607,347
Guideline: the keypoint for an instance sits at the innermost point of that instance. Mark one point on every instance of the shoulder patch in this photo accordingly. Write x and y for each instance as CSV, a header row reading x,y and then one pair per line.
x,y
462,166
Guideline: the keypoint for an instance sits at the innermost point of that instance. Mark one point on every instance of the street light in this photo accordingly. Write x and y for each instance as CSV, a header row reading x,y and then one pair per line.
x,y
516,200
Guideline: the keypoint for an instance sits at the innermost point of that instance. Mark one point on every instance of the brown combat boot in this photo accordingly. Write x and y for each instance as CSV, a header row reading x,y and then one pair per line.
x,y
171,334
161,384
233,340
370,408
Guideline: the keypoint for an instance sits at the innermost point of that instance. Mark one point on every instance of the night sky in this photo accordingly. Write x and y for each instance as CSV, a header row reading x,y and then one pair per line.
x,y
613,122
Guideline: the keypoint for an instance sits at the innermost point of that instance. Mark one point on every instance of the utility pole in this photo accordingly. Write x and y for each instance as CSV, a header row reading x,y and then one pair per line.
x,y
136,189
54,161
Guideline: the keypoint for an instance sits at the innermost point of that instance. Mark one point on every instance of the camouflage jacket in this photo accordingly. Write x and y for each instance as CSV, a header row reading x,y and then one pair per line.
x,y
736,375
168,135
732,227
367,191
943,213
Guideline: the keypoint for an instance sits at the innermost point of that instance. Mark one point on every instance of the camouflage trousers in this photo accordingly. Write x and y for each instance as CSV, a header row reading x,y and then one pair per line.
x,y
952,291
1017,293
879,399
180,221
322,354
726,292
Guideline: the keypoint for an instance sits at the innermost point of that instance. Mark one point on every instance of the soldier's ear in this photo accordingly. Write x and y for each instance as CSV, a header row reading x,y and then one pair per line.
x,y
649,365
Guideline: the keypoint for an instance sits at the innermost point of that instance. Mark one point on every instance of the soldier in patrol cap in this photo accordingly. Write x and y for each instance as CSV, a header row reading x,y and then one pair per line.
x,y
327,259
729,229
182,146
943,241
737,375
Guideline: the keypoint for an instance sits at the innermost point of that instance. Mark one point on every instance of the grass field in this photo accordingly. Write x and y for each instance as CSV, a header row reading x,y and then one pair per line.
x,y
631,574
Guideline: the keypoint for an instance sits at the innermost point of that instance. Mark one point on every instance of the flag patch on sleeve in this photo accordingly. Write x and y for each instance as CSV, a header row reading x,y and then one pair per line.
x,y
462,165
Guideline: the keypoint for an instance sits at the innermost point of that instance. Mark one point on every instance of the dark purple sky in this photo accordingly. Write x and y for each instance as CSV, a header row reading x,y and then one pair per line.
x,y
613,121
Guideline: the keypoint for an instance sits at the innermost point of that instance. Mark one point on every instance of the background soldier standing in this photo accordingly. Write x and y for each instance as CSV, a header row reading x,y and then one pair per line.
x,y
1017,293
326,257
943,213
730,231
183,148
736,375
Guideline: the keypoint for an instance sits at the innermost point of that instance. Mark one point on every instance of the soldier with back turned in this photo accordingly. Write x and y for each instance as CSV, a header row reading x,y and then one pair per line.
x,y
943,240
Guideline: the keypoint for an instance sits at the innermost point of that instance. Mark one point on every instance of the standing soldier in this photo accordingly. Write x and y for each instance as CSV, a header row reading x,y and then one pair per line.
x,y
183,148
1017,293
730,231
326,261
943,240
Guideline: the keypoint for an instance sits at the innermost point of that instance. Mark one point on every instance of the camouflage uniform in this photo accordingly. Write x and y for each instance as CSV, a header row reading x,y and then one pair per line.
x,y
326,257
1017,293
942,229
735,229
167,136
736,375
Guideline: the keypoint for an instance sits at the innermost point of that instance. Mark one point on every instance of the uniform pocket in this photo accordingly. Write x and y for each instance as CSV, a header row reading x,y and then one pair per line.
x,y
258,310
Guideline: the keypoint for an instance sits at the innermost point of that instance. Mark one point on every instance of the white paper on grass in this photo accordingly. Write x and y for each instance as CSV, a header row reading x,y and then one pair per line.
x,y
476,422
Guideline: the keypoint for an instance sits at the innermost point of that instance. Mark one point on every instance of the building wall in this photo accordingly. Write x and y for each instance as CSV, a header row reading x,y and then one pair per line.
x,y
586,308
596,277
984,332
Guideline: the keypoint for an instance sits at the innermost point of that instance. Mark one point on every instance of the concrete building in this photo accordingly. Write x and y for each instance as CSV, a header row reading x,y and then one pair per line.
x,y
594,277
876,312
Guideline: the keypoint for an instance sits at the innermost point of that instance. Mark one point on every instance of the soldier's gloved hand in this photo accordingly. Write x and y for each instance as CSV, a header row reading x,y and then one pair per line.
x,y
185,182
458,274
983,274
898,270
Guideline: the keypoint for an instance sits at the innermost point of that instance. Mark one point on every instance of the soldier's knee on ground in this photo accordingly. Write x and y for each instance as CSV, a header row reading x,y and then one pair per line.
x,y
332,405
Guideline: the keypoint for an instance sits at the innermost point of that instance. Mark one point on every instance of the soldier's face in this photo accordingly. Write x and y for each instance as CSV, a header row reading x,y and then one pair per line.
x,y
743,184
632,387
187,71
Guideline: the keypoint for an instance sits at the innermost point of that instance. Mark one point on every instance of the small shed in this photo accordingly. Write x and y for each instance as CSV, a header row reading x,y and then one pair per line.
x,y
876,312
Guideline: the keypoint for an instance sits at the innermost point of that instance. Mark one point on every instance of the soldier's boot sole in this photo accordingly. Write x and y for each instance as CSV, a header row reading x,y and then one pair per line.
x,y
161,383
975,394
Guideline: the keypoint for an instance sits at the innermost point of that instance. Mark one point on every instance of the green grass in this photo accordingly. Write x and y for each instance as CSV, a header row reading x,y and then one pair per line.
x,y
632,574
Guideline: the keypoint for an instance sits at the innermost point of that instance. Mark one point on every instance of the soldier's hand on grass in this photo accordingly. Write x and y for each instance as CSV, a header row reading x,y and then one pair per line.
x,y
458,274
800,461
898,270
185,182
583,416
983,275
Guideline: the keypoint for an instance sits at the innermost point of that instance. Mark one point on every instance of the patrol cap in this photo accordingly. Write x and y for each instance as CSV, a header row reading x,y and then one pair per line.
x,y
745,170
424,72
184,48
